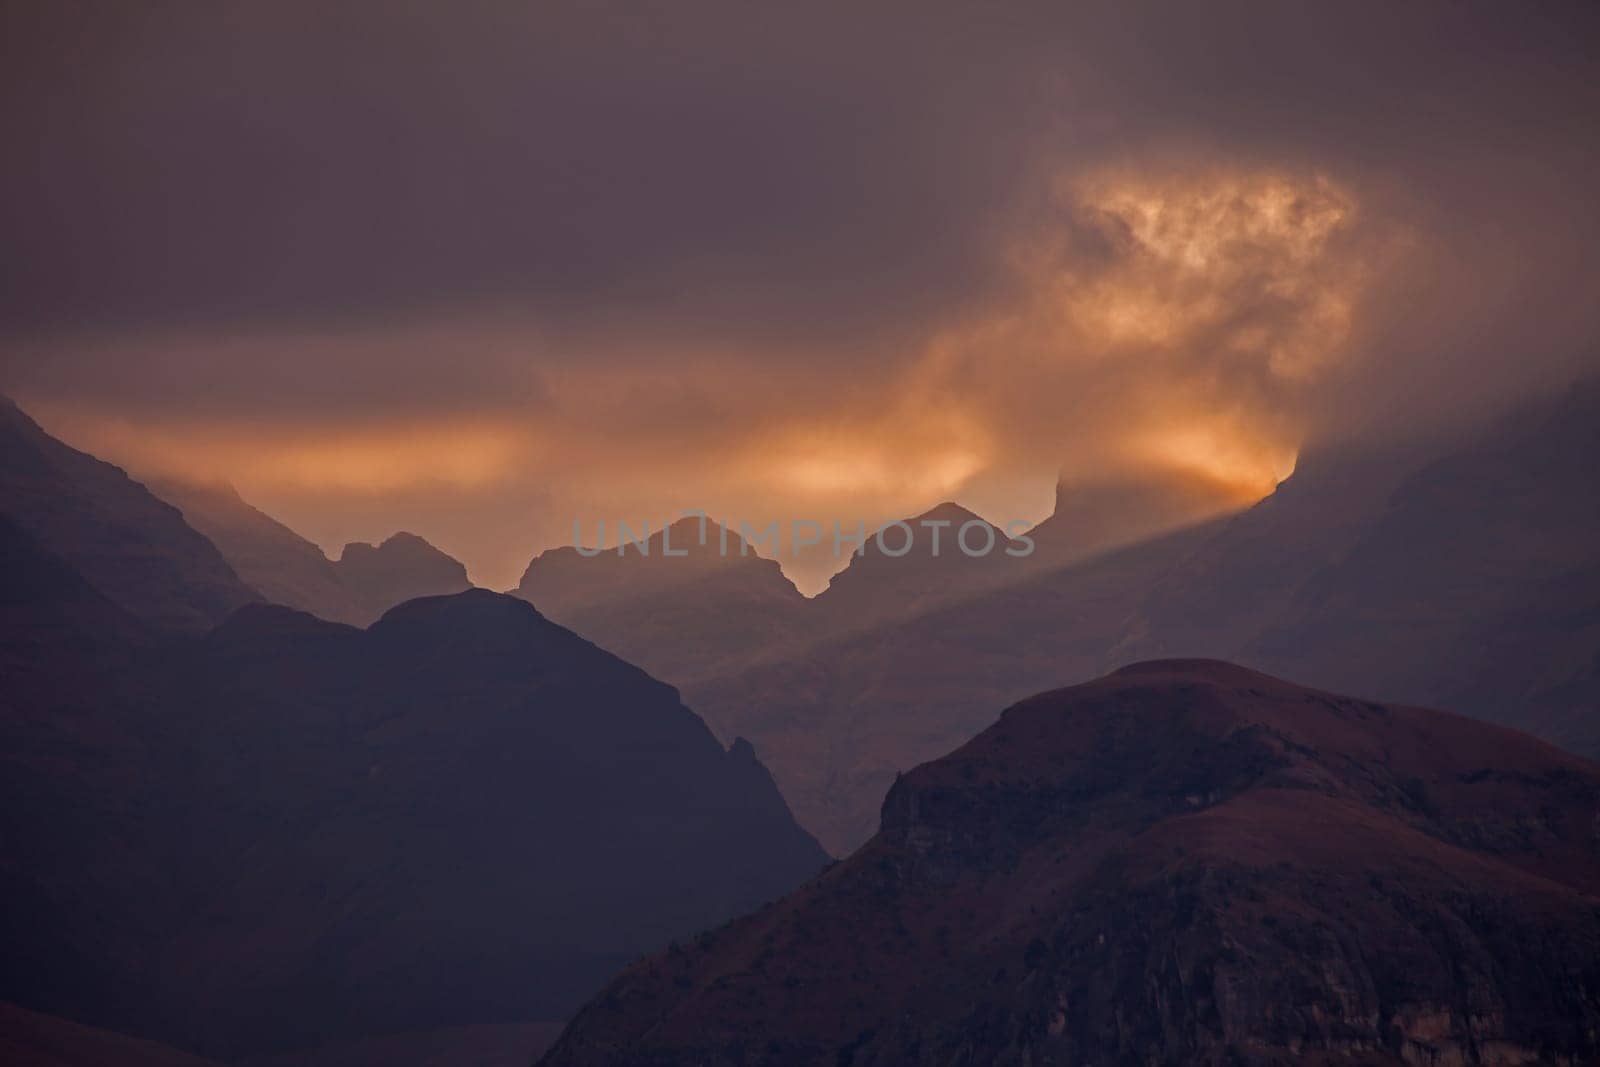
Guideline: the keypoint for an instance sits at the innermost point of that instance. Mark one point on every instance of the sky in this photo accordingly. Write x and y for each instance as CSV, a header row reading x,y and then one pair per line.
x,y
480,270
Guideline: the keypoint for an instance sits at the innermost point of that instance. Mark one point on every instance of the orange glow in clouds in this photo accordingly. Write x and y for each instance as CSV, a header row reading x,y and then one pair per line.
x,y
1183,345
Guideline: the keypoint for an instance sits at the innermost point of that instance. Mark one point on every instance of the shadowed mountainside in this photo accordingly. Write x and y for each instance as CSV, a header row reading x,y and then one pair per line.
x,y
29,1039
1459,573
1470,580
288,831
1182,862
132,547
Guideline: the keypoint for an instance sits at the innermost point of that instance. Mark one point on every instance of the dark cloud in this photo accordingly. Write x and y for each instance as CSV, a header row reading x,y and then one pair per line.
x,y
786,234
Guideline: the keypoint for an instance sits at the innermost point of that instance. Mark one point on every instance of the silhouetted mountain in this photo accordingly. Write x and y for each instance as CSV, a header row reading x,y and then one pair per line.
x,y
1184,862
280,564
130,546
291,831
402,568
680,617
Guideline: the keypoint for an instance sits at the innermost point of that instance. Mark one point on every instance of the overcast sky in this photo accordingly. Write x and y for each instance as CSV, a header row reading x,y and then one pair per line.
x,y
477,270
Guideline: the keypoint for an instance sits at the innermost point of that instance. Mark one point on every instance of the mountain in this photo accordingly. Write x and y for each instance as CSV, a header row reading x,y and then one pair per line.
x,y
1455,571
1183,862
366,581
289,832
283,566
1090,519
401,568
926,560
132,547
681,606
1469,578
837,721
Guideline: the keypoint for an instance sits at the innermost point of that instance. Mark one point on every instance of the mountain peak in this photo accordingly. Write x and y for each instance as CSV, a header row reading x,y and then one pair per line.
x,y
951,512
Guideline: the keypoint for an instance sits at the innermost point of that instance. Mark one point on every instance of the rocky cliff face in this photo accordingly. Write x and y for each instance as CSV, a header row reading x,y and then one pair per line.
x,y
1184,862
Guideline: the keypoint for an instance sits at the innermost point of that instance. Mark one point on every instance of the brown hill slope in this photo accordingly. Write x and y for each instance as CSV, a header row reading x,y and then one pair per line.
x,y
1182,862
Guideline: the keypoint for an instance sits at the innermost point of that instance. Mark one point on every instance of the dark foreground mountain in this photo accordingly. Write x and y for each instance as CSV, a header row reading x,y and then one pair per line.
x,y
288,831
1183,862
29,1039
132,547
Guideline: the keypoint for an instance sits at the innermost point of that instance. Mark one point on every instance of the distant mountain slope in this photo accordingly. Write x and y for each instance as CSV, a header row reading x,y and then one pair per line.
x,y
366,581
403,567
132,547
290,832
283,566
1470,580
839,720
681,617
1463,572
1092,519
918,566
1184,862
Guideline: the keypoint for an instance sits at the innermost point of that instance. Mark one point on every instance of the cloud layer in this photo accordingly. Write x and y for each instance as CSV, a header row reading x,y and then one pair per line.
x,y
479,270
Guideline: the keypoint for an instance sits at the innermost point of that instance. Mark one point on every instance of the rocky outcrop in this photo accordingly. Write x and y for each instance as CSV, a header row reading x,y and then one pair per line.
x,y
1184,862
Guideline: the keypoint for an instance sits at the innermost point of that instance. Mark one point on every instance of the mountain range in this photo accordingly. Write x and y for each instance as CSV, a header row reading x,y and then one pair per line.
x,y
1458,573
282,832
357,588
1182,862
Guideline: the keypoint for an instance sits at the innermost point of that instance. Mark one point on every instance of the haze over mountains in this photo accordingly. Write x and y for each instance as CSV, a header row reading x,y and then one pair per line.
x,y
1458,574
357,588
286,831
1183,862
282,832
